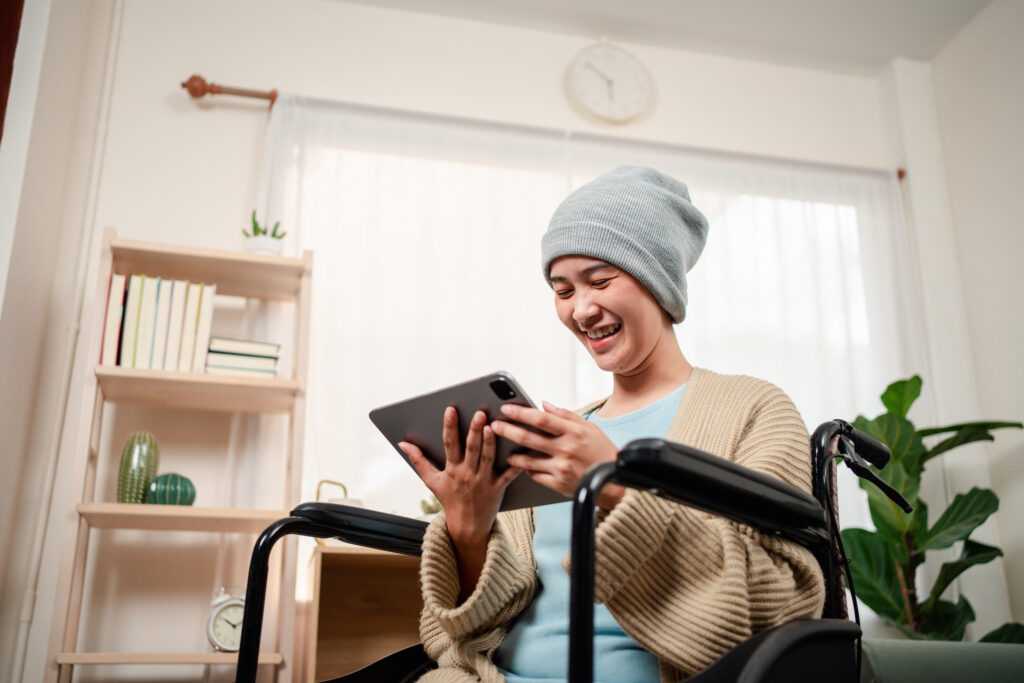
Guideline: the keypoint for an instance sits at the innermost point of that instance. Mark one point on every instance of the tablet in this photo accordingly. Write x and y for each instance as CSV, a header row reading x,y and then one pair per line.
x,y
418,420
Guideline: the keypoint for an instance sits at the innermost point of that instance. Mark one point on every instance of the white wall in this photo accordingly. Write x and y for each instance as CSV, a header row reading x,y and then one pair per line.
x,y
178,171
978,79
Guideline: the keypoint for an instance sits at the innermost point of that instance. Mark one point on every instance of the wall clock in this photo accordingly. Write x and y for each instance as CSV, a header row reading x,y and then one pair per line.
x,y
608,82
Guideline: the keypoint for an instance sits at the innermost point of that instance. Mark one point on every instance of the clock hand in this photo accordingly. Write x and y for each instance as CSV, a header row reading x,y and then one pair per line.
x,y
599,72
233,624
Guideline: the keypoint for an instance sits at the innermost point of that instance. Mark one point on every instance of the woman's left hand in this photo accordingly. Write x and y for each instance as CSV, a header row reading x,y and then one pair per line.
x,y
574,445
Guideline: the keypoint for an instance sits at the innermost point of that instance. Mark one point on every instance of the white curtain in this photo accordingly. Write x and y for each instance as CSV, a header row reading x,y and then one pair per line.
x,y
426,232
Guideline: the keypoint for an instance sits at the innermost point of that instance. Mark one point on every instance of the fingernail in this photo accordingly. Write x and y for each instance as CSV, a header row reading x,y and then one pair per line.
x,y
479,417
547,406
488,432
508,409
449,413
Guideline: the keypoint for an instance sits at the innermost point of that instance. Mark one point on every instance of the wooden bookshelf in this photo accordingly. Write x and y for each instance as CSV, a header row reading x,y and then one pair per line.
x,y
195,391
177,517
266,658
253,276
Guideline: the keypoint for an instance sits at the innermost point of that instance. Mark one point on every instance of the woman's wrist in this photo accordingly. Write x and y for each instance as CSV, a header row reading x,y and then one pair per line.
x,y
611,495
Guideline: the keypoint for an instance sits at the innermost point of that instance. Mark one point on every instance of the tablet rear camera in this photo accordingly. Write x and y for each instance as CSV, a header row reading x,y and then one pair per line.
x,y
503,389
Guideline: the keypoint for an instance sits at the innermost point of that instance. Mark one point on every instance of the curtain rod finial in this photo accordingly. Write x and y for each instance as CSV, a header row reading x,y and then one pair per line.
x,y
196,86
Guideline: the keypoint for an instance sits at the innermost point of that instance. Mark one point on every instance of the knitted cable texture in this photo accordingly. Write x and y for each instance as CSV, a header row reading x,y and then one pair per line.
x,y
686,585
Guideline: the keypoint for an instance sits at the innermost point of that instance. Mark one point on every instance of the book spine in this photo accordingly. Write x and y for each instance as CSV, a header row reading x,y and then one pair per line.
x,y
112,320
203,327
147,323
175,322
188,329
131,321
163,309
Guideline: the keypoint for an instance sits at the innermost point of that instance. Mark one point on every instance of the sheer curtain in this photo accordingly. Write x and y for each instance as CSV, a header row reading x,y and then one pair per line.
x,y
426,234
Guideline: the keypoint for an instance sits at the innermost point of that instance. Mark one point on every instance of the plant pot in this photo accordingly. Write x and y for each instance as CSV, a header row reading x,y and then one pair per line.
x,y
264,244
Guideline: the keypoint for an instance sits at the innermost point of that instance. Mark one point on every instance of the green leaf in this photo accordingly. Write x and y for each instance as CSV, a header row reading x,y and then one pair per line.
x,y
874,573
964,515
900,435
1010,632
889,518
899,396
931,431
948,621
973,553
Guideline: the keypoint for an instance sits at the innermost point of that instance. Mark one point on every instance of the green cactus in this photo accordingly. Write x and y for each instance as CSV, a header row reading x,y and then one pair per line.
x,y
258,229
139,460
171,489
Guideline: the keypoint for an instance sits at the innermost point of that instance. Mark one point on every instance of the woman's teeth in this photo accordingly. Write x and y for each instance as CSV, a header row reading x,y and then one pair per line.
x,y
604,331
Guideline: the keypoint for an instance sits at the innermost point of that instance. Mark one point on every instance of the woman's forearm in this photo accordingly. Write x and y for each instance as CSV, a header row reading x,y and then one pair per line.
x,y
470,553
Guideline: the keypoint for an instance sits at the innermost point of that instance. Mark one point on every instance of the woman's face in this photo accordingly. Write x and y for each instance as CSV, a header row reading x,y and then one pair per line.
x,y
612,314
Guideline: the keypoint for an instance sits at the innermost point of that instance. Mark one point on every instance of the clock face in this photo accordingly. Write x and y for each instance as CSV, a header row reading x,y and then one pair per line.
x,y
608,82
225,629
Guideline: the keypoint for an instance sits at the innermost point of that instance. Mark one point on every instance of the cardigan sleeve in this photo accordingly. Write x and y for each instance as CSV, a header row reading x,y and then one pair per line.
x,y
463,635
688,585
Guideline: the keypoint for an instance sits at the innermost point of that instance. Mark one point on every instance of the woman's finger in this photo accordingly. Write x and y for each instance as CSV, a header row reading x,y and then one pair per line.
x,y
524,437
546,422
550,482
487,452
450,436
474,440
533,464
507,477
563,413
419,462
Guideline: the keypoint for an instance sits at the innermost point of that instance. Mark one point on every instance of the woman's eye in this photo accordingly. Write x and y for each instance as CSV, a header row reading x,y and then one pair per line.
x,y
563,293
600,283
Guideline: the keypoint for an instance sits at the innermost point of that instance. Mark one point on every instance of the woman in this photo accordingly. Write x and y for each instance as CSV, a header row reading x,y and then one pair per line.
x,y
676,587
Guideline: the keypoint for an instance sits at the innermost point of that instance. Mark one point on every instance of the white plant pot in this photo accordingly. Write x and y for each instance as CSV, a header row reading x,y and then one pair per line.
x,y
264,244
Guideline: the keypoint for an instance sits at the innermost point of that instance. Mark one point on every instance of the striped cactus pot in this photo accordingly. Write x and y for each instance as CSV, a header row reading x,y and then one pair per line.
x,y
139,460
171,489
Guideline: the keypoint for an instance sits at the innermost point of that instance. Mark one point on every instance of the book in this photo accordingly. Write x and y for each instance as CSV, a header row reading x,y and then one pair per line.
x,y
241,372
204,321
237,361
147,323
163,309
112,319
126,357
244,347
188,327
175,321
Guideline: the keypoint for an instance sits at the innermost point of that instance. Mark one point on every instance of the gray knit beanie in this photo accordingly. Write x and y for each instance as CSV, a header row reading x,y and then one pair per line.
x,y
639,220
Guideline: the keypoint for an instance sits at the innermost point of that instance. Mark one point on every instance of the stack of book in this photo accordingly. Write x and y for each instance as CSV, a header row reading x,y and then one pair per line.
x,y
242,357
156,323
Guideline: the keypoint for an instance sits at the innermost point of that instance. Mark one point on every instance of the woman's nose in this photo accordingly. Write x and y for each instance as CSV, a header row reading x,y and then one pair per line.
x,y
585,309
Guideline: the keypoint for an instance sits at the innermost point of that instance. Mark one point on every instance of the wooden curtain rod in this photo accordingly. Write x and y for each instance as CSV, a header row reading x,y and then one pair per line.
x,y
198,86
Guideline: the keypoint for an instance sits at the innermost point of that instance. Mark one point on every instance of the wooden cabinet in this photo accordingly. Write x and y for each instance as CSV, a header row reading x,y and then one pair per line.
x,y
364,605
237,274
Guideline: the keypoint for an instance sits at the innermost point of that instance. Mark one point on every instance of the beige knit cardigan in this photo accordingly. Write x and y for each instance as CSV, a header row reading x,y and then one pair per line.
x,y
684,584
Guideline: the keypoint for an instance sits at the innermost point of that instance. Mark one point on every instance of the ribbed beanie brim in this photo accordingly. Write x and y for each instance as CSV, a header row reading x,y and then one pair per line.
x,y
639,220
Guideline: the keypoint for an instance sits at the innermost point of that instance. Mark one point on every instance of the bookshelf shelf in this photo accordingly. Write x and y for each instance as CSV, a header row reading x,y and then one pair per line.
x,y
169,389
78,658
177,517
236,273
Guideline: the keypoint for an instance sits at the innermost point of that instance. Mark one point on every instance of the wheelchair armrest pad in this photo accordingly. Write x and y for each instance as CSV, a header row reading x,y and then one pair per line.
x,y
713,484
367,527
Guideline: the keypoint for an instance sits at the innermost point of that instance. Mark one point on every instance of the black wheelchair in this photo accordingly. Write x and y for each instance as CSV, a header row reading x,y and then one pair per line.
x,y
825,649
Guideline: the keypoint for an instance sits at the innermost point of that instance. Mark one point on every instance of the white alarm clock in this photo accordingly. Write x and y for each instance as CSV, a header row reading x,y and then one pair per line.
x,y
225,626
608,82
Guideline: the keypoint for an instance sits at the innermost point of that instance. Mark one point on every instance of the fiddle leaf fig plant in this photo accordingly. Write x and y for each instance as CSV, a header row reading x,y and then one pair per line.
x,y
884,562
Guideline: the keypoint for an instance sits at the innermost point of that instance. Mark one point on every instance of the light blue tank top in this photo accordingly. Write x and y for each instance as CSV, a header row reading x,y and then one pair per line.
x,y
536,650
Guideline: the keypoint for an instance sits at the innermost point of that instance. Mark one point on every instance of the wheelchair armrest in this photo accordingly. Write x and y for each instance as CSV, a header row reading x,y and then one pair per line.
x,y
369,528
698,479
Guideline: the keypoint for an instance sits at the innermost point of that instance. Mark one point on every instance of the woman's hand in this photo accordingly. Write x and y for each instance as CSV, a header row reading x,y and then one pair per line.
x,y
574,445
468,488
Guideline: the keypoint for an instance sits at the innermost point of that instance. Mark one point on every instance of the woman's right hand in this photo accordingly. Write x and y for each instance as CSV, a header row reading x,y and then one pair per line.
x,y
468,488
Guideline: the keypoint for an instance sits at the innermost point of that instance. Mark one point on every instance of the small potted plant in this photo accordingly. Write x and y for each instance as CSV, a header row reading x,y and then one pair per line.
x,y
263,240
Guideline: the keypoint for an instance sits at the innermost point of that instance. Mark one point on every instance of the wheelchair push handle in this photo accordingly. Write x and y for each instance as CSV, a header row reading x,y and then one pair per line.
x,y
868,447
849,449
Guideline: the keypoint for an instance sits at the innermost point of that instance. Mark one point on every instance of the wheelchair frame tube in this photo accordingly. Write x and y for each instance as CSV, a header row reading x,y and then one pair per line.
x,y
581,575
256,589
